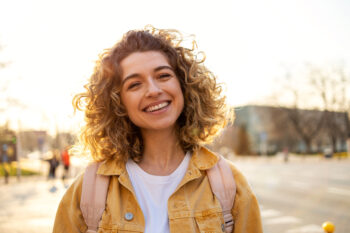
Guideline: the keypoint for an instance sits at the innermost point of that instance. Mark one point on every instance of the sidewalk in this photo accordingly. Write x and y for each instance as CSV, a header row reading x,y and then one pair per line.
x,y
30,204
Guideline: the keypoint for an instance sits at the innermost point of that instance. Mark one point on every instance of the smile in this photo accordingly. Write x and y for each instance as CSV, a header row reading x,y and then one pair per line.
x,y
157,107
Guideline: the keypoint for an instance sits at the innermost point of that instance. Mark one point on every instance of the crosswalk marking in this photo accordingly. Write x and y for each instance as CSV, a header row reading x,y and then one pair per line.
x,y
300,185
275,217
282,220
306,229
340,177
339,191
270,213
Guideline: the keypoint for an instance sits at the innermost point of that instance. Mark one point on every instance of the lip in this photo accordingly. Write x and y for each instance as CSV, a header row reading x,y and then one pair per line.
x,y
156,103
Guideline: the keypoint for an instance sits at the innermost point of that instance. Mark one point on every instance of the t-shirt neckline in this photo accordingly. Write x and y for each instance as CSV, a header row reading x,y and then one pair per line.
x,y
160,179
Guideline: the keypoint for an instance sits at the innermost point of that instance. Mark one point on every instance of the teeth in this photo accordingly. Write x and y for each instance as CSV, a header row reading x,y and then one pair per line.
x,y
157,107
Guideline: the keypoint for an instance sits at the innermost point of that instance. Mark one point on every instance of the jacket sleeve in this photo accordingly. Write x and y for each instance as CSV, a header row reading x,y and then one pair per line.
x,y
246,211
69,218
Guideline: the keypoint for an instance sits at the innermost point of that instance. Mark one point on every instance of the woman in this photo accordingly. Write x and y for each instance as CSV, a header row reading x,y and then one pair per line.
x,y
149,106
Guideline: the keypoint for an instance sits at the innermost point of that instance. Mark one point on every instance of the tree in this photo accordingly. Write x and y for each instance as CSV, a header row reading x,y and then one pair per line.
x,y
306,124
241,144
323,91
331,86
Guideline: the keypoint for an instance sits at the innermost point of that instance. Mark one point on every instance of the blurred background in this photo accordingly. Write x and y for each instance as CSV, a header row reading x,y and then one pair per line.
x,y
285,66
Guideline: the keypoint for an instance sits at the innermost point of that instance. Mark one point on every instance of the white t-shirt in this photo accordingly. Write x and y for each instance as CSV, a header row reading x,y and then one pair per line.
x,y
152,193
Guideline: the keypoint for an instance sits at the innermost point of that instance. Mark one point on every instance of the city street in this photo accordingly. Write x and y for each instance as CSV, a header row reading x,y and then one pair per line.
x,y
299,196
295,197
29,206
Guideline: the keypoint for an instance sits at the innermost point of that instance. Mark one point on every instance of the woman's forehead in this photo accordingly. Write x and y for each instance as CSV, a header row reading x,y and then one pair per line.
x,y
142,62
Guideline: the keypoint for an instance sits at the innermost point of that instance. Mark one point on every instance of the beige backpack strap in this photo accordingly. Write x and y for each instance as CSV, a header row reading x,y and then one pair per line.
x,y
223,186
93,197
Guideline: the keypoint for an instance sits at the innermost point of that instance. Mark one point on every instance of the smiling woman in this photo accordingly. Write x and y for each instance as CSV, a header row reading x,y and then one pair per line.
x,y
151,92
150,105
110,131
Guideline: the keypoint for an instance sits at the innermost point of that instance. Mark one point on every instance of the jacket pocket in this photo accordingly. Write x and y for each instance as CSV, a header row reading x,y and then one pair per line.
x,y
212,223
110,230
122,231
106,230
125,228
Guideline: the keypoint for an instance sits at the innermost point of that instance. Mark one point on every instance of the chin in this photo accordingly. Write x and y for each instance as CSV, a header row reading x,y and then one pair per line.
x,y
160,126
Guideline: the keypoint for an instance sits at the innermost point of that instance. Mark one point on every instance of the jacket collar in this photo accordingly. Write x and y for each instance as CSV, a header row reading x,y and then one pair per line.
x,y
202,159
111,167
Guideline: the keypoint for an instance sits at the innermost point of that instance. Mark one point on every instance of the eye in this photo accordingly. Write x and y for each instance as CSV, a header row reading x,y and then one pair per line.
x,y
133,85
164,76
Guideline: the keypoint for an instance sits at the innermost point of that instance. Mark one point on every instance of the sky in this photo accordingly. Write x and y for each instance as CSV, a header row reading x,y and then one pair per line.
x,y
50,46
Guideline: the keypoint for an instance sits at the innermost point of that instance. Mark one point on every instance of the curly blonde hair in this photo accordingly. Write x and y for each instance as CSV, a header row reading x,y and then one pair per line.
x,y
109,133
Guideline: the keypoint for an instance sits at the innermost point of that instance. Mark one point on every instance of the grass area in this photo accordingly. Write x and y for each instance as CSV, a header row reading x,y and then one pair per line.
x,y
12,168
336,155
341,154
312,155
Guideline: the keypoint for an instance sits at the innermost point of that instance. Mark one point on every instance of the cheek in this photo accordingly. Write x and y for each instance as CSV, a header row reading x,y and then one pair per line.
x,y
129,110
127,102
181,100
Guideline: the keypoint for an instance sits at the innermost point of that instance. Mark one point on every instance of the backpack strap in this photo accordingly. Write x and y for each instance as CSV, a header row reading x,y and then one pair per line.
x,y
223,186
93,197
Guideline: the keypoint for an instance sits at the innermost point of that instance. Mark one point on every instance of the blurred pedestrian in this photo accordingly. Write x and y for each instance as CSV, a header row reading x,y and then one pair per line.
x,y
5,165
53,160
150,106
348,145
285,154
65,158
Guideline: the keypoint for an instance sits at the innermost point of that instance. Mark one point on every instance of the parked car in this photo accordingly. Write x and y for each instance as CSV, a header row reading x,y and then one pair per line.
x,y
328,152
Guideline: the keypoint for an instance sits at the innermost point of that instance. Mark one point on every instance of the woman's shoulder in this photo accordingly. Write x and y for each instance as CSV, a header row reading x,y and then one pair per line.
x,y
68,215
246,211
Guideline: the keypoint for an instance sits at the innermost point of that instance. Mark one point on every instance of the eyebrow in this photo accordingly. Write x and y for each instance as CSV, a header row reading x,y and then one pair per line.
x,y
134,75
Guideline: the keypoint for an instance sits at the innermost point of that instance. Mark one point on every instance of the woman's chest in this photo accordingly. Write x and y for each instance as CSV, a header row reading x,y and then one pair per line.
x,y
191,208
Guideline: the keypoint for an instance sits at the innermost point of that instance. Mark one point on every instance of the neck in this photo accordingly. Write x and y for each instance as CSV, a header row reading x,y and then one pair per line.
x,y
162,152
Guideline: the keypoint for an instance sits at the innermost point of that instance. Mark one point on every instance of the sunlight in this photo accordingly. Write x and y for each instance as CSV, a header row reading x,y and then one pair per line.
x,y
52,45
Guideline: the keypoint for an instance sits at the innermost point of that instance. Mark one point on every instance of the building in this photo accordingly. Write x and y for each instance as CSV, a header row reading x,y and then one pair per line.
x,y
268,130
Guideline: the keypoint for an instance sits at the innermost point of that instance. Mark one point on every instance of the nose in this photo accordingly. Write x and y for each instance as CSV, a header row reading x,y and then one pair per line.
x,y
153,88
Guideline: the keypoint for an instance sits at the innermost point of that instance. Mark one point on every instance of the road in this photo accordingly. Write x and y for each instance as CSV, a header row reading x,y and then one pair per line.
x,y
295,197
299,196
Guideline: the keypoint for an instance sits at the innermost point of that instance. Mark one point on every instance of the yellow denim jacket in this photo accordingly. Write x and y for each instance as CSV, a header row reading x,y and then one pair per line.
x,y
191,208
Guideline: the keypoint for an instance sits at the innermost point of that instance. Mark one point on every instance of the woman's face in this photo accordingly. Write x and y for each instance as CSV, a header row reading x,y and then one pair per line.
x,y
150,91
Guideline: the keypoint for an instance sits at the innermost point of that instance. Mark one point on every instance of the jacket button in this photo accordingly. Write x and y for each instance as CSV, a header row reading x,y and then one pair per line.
x,y
128,216
223,227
